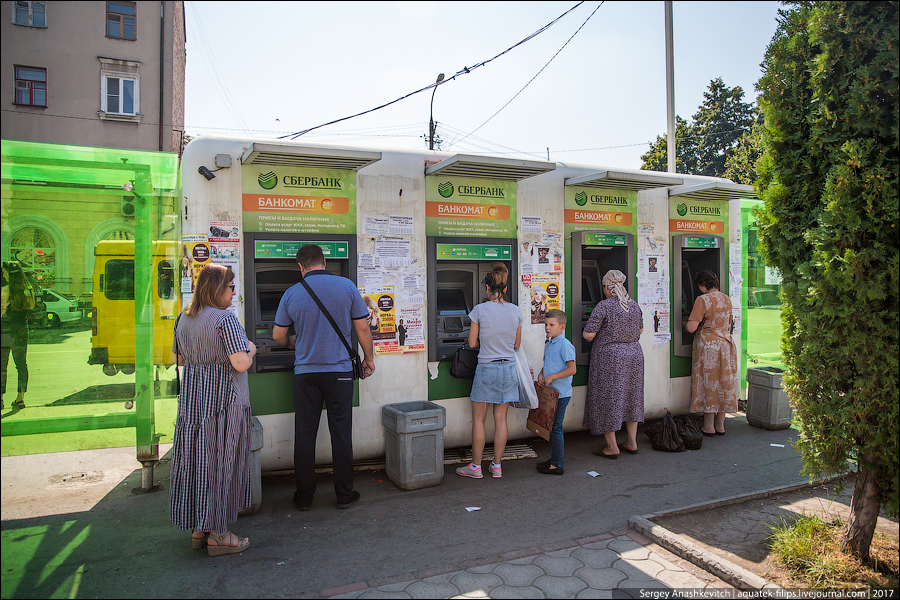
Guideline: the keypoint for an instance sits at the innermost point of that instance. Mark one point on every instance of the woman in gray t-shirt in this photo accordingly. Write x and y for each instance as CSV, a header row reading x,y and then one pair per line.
x,y
497,326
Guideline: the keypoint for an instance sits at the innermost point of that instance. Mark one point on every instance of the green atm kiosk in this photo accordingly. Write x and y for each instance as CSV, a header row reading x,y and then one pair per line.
x,y
593,254
456,285
691,254
270,269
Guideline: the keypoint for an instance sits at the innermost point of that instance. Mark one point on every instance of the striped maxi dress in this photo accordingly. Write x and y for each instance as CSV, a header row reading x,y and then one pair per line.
x,y
211,451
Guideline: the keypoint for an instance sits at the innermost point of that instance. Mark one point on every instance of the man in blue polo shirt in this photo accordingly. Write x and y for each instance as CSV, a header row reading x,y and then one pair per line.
x,y
323,371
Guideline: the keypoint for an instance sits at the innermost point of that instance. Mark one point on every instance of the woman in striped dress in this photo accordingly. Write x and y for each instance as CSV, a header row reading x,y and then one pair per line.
x,y
211,453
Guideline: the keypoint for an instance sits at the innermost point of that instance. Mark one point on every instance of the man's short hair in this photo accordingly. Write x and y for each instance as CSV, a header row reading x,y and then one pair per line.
x,y
310,255
557,314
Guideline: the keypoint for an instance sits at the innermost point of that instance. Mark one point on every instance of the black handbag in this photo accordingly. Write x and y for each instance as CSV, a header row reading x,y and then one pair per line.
x,y
354,355
465,360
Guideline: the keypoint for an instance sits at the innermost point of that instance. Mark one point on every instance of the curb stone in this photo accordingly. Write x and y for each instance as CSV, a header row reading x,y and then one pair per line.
x,y
719,566
722,568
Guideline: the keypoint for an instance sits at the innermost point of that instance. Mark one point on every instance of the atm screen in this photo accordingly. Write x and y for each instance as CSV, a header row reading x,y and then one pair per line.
x,y
268,304
451,301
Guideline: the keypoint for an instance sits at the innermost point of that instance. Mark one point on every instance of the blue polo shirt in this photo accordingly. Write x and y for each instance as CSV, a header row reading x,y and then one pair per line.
x,y
557,352
318,349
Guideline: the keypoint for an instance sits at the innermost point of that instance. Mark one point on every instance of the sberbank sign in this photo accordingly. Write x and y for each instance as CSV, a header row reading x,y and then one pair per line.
x,y
269,180
446,189
599,199
699,211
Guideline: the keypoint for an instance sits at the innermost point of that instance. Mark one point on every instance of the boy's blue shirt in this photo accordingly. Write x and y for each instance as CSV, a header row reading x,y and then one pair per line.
x,y
557,352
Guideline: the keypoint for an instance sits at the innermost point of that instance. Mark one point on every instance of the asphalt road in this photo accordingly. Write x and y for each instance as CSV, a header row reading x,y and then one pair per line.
x,y
123,545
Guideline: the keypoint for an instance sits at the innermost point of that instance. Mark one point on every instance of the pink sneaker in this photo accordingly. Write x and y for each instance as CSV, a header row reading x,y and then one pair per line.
x,y
496,471
468,471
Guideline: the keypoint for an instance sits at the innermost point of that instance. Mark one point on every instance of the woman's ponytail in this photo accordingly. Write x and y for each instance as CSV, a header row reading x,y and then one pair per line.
x,y
496,280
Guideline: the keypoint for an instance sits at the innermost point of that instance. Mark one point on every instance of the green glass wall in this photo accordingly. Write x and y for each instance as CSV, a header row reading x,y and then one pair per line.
x,y
95,231
760,302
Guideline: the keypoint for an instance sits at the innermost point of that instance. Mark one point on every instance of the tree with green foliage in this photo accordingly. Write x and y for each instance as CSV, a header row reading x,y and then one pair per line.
x,y
740,165
657,158
703,146
829,180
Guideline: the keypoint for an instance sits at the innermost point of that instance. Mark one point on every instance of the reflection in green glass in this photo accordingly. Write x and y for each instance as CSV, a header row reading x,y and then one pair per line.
x,y
761,311
59,204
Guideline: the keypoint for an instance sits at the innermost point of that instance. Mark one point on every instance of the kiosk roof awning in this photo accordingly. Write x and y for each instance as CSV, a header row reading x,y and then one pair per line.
x,y
625,181
470,165
288,155
713,190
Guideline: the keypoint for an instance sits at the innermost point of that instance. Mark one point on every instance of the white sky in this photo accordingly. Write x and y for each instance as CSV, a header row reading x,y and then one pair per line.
x,y
266,69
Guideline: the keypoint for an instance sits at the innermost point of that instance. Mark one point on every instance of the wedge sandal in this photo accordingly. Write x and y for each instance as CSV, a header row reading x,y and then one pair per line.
x,y
221,548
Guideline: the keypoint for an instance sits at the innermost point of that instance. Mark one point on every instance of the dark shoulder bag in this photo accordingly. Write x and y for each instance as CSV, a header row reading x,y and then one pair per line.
x,y
354,356
465,360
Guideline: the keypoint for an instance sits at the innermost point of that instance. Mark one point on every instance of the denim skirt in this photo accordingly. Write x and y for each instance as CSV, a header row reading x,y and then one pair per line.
x,y
495,383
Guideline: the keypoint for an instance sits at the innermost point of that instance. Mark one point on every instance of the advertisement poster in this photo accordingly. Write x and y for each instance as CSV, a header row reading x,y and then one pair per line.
x,y
527,259
224,231
470,207
298,200
544,296
410,330
382,318
224,250
660,314
194,256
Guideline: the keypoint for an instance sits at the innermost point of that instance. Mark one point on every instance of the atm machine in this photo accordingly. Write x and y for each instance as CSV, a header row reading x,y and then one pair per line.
x,y
692,253
456,285
593,254
270,267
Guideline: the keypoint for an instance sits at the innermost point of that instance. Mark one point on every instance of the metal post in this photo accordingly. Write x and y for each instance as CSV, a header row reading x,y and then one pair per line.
x,y
440,78
146,439
670,88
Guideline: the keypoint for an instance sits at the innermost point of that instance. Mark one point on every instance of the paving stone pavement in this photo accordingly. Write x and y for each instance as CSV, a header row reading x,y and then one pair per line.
x,y
627,562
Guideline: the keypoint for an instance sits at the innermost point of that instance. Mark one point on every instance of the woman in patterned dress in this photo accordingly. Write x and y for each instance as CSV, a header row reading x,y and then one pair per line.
x,y
714,379
211,453
615,392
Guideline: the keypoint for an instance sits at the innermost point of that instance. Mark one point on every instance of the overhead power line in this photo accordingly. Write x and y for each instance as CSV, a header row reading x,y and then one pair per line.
x,y
463,71
536,74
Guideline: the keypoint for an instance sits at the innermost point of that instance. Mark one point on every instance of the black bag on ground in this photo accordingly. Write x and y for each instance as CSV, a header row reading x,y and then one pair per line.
x,y
664,435
689,431
465,360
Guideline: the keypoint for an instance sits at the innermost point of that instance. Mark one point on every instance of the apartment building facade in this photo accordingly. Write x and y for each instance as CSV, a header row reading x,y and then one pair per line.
x,y
103,75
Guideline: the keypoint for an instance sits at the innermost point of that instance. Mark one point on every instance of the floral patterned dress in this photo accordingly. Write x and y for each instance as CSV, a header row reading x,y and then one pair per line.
x,y
714,372
615,390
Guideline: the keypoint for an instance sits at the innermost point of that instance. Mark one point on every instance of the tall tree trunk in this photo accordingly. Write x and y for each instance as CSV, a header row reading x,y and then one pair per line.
x,y
864,508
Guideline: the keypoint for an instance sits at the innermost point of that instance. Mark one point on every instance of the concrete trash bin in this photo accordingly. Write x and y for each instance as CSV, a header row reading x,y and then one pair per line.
x,y
414,443
768,406
256,444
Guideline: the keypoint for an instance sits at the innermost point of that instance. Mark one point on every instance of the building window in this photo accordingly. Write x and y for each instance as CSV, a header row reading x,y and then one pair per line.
x,y
120,20
120,90
120,96
30,14
31,86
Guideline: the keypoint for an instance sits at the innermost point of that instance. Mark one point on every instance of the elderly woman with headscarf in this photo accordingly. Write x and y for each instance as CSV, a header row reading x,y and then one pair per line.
x,y
615,391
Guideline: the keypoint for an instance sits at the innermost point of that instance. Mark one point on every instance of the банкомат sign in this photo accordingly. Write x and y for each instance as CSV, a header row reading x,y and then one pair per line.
x,y
294,200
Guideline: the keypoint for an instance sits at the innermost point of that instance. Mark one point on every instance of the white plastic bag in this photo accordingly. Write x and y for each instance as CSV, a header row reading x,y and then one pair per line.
x,y
528,398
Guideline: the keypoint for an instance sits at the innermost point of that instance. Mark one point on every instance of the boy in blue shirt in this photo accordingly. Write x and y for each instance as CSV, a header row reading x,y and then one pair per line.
x,y
559,364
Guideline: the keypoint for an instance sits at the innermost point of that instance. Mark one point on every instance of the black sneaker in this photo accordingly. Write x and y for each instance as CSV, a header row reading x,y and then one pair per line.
x,y
547,469
354,498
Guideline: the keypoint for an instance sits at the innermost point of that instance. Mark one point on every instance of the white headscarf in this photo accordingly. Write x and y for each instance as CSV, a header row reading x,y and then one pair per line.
x,y
614,280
